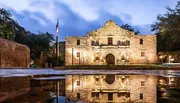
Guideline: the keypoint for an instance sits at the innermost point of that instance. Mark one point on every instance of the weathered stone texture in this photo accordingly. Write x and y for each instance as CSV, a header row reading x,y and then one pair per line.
x,y
13,54
148,90
71,47
11,87
125,47
126,88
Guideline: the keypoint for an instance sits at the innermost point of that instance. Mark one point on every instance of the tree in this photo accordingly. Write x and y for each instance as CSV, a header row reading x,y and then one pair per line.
x,y
39,43
167,29
128,27
20,34
53,61
6,22
10,29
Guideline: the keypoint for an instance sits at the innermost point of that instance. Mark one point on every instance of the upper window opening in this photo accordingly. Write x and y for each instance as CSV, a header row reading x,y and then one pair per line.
x,y
141,41
110,41
78,42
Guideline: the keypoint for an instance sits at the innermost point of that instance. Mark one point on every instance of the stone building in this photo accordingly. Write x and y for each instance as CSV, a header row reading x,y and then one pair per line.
x,y
112,88
110,45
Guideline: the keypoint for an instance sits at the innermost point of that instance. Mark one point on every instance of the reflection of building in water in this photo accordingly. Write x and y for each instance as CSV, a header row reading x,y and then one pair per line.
x,y
168,81
111,88
110,45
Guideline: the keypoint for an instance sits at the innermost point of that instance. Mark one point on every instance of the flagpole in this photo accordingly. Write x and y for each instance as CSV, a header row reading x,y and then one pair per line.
x,y
57,51
57,43
57,55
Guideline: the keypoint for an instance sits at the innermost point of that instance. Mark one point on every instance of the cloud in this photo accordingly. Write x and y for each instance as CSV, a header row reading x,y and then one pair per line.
x,y
38,19
142,11
77,17
87,10
44,7
143,29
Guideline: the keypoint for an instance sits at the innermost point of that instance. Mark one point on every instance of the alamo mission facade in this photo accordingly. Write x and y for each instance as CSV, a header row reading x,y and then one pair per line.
x,y
110,45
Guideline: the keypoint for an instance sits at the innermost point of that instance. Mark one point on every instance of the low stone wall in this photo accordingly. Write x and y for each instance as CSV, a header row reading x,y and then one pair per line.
x,y
13,54
13,87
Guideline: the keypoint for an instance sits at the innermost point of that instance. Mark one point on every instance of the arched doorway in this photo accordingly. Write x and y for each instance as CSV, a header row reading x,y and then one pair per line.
x,y
110,59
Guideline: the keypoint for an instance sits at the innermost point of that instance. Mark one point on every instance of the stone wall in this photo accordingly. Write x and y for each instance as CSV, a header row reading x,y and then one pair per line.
x,y
125,47
72,49
13,54
148,47
11,87
125,88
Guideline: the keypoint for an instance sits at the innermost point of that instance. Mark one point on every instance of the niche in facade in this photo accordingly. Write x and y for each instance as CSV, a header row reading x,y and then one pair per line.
x,y
97,80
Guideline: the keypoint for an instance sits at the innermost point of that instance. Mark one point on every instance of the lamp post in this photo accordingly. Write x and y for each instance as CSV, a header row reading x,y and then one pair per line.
x,y
72,56
161,58
57,43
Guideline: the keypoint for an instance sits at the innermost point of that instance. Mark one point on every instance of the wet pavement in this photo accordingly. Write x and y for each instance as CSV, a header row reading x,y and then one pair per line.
x,y
165,94
31,72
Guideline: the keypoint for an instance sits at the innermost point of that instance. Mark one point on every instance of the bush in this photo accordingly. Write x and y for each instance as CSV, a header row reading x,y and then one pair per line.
x,y
53,61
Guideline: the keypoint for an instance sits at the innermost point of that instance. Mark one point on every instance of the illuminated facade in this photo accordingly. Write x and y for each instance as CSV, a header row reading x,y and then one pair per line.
x,y
110,45
111,88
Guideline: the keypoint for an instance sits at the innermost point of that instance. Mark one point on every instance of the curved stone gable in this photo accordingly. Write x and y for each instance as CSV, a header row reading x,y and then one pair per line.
x,y
110,28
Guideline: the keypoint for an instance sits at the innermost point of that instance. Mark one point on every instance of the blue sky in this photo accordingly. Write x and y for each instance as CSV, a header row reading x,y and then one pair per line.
x,y
77,17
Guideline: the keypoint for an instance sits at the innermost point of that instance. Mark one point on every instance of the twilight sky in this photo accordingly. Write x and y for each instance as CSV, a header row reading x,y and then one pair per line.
x,y
77,17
